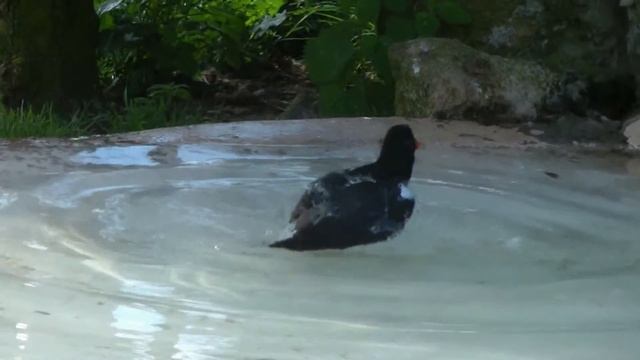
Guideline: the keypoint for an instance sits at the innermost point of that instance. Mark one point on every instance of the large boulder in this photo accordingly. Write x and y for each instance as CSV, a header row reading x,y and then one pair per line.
x,y
588,38
632,132
448,79
584,36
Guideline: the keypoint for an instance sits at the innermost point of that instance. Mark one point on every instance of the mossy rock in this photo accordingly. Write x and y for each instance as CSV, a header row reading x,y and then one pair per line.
x,y
583,37
448,79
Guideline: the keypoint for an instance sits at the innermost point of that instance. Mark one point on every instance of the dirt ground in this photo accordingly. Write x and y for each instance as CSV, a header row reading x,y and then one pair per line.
x,y
280,92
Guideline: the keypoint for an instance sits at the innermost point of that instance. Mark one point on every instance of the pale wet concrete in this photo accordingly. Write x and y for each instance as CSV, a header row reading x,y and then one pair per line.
x,y
153,246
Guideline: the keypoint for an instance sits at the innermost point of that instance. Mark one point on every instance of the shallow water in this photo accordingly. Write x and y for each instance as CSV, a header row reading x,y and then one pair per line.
x,y
122,257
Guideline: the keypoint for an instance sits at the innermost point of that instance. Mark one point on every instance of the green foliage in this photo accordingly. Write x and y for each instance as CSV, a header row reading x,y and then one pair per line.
x,y
399,28
255,10
368,10
148,42
146,45
397,6
427,23
145,42
169,93
329,54
348,59
452,13
26,122
165,105
299,20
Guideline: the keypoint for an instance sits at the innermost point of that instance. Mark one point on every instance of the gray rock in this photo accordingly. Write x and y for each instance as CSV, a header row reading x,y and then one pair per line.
x,y
632,132
583,36
590,128
448,79
596,40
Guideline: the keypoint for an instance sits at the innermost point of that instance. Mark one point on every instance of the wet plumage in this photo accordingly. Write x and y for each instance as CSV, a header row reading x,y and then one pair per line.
x,y
357,206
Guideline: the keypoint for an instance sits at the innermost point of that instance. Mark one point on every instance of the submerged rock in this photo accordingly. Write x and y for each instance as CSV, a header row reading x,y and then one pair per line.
x,y
448,79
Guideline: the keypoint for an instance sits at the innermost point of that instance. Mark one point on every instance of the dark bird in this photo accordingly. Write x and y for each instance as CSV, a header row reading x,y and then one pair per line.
x,y
357,206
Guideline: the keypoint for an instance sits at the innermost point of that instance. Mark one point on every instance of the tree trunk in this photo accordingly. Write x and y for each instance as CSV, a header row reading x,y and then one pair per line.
x,y
55,42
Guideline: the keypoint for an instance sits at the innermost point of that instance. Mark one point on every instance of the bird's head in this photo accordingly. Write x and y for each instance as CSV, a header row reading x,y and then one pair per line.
x,y
398,152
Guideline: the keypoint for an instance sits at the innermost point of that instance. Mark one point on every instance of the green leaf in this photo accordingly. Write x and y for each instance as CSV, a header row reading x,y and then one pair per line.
x,y
344,6
332,99
399,28
367,45
108,5
380,61
368,11
380,98
337,99
452,13
356,98
372,49
396,6
328,55
107,22
269,22
427,24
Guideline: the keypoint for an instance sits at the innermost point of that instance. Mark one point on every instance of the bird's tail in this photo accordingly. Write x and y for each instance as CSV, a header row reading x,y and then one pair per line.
x,y
293,243
281,243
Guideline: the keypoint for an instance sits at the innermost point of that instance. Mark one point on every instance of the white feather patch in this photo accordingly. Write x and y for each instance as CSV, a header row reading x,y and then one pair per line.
x,y
405,193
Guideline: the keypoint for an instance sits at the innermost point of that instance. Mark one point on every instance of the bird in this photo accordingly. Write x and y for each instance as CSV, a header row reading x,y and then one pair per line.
x,y
360,205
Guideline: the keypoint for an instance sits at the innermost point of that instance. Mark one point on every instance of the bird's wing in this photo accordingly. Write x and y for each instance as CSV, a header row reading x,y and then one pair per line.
x,y
320,199
315,203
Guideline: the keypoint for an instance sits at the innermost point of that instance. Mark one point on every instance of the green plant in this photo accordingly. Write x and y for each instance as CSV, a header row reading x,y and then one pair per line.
x,y
169,94
165,105
26,122
296,22
148,42
348,60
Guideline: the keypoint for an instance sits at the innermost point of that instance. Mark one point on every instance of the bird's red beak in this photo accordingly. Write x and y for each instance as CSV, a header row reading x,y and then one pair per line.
x,y
419,145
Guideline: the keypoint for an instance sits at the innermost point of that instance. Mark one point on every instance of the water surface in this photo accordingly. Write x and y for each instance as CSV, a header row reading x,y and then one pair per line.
x,y
119,256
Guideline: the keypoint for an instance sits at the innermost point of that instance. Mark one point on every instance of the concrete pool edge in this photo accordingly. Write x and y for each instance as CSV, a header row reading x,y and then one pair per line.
x,y
160,146
325,131
357,131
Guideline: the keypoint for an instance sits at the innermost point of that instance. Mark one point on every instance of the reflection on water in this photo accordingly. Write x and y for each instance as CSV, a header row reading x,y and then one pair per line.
x,y
137,323
123,258
22,336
